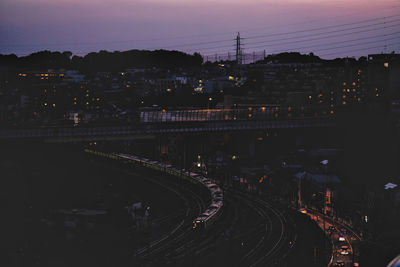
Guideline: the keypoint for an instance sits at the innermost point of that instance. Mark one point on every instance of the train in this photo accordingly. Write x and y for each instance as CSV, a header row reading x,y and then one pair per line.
x,y
210,214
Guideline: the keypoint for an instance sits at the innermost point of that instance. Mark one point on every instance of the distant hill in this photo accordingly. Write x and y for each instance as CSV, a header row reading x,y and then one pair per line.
x,y
296,57
101,61
292,57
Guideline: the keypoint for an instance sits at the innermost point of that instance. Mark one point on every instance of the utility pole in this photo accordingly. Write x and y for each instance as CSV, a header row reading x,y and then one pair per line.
x,y
239,52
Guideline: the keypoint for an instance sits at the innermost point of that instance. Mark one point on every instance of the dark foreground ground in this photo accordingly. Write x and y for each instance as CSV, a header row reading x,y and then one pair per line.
x,y
37,180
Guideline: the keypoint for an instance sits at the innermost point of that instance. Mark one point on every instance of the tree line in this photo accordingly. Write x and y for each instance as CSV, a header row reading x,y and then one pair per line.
x,y
101,61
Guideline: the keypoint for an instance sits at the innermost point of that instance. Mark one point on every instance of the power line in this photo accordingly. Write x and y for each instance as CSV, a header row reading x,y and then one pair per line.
x,y
321,28
358,49
345,46
337,47
333,17
216,41
297,41
320,38
314,34
323,37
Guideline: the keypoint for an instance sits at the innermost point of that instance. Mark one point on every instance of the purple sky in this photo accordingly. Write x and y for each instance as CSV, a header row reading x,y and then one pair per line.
x,y
205,26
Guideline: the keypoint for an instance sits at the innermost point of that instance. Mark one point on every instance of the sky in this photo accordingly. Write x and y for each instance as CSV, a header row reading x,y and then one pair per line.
x,y
325,27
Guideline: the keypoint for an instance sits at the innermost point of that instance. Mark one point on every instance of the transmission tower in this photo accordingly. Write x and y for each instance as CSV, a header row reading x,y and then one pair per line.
x,y
238,50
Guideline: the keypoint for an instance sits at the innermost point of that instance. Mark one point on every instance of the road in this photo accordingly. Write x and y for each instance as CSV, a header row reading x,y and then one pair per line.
x,y
341,236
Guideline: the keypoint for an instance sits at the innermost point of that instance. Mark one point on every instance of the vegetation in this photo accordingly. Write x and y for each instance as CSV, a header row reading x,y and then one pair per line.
x,y
101,61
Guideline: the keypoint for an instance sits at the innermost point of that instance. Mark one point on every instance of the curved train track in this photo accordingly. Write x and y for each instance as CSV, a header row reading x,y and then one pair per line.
x,y
249,231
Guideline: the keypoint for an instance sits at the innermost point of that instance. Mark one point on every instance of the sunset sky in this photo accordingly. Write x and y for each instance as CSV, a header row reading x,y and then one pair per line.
x,y
206,26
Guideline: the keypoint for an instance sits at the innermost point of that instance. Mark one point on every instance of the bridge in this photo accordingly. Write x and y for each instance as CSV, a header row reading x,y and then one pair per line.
x,y
151,123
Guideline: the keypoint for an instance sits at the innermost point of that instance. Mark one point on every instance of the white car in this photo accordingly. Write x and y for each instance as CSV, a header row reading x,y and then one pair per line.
x,y
344,250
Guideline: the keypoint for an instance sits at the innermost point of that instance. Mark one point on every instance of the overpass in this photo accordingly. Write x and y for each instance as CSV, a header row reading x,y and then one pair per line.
x,y
152,123
143,131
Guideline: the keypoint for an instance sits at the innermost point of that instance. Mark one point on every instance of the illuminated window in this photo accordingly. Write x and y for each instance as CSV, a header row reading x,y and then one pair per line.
x,y
344,96
344,102
386,65
54,105
354,83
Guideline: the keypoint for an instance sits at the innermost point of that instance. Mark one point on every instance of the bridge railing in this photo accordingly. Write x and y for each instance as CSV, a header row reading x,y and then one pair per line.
x,y
249,114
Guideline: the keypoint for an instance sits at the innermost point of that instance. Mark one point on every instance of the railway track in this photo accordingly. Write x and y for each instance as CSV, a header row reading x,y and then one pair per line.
x,y
255,231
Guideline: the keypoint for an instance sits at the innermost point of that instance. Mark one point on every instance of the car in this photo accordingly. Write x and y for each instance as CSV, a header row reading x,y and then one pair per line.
x,y
344,250
342,238
339,263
